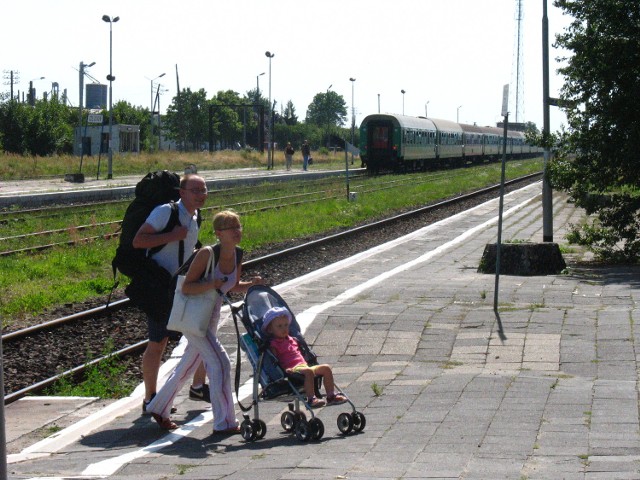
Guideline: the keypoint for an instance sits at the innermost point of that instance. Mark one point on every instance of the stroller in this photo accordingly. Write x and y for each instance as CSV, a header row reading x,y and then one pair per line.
x,y
274,382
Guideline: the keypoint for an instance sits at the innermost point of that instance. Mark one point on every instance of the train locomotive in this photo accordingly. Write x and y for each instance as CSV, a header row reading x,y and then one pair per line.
x,y
401,143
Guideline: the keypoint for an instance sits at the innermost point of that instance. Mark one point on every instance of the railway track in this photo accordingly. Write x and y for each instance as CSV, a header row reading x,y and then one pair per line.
x,y
36,357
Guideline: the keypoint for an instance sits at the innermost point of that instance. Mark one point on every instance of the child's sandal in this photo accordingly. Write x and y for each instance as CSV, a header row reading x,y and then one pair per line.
x,y
315,402
336,399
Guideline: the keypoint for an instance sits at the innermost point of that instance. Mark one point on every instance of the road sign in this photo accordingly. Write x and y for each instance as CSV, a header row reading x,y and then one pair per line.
x,y
94,118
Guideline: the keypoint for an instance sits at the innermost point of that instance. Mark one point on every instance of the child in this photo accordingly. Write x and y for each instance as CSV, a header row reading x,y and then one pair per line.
x,y
275,323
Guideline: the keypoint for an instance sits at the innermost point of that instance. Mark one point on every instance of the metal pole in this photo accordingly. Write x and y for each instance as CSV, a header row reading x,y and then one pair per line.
x,y
353,119
3,435
270,126
547,208
80,103
378,103
110,162
499,241
111,78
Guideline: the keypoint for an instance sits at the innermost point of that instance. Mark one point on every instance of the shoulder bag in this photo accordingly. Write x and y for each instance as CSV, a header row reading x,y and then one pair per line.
x,y
191,314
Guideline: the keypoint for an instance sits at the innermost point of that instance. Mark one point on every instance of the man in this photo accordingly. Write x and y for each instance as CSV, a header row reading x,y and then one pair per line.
x,y
193,194
306,153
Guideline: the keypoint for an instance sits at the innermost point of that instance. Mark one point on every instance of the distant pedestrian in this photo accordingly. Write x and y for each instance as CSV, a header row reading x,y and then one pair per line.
x,y
288,155
306,155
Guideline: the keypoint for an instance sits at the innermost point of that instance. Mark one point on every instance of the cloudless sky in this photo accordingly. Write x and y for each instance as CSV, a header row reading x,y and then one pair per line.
x,y
449,53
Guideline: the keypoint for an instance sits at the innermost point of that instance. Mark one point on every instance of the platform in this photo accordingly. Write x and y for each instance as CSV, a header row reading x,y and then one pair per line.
x,y
411,332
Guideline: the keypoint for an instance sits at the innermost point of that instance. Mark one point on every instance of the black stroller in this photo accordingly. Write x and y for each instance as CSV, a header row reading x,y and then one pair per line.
x,y
274,382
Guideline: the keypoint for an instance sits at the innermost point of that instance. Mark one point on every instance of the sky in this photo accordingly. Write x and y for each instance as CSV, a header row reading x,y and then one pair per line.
x,y
451,57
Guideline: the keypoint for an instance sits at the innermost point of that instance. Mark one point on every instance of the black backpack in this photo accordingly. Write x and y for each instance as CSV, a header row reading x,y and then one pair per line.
x,y
151,287
156,188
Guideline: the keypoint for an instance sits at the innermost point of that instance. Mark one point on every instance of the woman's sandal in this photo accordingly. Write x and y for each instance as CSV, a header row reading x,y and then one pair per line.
x,y
229,431
165,423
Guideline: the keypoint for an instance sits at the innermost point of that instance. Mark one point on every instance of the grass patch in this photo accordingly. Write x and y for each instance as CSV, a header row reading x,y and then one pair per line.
x,y
105,379
377,389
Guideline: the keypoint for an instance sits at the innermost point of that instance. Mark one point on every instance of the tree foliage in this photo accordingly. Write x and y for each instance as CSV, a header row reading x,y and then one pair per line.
x,y
43,129
597,161
327,109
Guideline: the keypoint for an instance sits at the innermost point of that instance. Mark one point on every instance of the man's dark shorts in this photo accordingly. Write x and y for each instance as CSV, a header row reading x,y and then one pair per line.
x,y
158,331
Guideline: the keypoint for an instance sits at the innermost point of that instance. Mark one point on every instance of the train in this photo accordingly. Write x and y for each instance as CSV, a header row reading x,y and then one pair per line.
x,y
402,143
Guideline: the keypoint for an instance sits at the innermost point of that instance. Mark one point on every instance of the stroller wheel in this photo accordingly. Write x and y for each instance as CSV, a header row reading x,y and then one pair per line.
x,y
317,428
287,420
359,422
259,427
303,431
247,431
345,423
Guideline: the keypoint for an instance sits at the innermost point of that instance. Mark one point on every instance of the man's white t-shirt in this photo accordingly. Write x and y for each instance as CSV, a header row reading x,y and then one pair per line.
x,y
168,257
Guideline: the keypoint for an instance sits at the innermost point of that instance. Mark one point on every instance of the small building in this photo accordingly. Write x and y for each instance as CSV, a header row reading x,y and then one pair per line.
x,y
95,139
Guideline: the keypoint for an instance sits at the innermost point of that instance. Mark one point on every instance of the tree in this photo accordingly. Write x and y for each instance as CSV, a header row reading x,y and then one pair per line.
x,y
290,117
187,119
597,160
327,109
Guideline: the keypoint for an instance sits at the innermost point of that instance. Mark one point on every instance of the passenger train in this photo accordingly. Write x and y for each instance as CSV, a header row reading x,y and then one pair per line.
x,y
403,143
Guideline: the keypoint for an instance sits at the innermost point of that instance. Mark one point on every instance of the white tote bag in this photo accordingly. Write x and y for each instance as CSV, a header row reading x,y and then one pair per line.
x,y
191,314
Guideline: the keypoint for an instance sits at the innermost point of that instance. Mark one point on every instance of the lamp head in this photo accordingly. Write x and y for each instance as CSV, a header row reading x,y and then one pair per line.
x,y
403,91
116,19
106,18
352,79
159,76
269,54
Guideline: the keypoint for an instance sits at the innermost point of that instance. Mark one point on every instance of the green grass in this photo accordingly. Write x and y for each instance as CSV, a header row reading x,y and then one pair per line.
x,y
105,379
32,283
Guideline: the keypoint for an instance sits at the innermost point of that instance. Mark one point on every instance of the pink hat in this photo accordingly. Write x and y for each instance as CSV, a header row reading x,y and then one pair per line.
x,y
272,314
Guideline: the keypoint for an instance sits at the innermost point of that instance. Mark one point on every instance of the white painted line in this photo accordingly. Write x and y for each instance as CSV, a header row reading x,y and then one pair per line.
x,y
110,466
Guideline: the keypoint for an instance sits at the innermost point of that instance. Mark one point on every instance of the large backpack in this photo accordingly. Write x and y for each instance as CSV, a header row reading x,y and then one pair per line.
x,y
156,188
151,287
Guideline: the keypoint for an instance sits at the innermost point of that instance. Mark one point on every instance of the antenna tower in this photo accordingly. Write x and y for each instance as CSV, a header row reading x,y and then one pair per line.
x,y
517,68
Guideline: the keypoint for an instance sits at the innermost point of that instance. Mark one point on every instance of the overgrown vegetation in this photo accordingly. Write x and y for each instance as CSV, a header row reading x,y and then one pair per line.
x,y
104,379
597,156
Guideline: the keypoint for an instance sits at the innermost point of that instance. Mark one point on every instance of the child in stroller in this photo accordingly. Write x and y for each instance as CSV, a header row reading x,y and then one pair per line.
x,y
275,323
273,378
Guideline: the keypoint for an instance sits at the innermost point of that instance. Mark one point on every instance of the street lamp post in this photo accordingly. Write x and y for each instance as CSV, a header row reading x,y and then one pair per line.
x,y
353,115
269,55
378,103
111,78
458,114
403,92
258,86
426,111
151,109
328,119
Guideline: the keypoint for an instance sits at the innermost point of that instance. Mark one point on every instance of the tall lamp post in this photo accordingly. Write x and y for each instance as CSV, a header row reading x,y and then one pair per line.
x,y
458,114
258,86
426,111
353,115
151,109
403,92
111,78
269,55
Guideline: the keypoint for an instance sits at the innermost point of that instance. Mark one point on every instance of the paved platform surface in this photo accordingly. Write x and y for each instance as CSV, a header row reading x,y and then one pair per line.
x,y
411,332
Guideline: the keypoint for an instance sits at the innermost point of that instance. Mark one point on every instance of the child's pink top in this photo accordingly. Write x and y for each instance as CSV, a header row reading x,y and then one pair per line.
x,y
287,352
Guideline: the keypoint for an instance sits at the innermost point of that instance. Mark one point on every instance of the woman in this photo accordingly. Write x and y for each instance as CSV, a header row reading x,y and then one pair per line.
x,y
225,277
